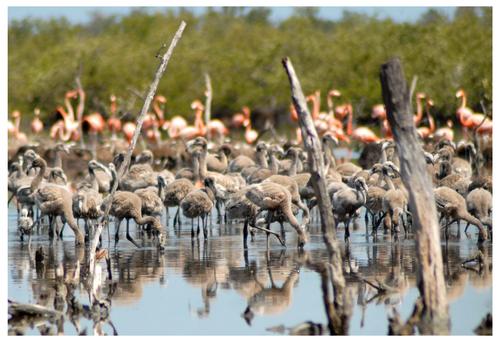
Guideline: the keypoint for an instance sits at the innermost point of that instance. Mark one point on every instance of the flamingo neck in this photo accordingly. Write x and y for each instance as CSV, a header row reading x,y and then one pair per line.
x,y
274,164
17,124
349,121
329,102
70,115
35,183
293,168
198,122
464,101
419,115
432,125
388,181
159,112
81,105
203,165
261,159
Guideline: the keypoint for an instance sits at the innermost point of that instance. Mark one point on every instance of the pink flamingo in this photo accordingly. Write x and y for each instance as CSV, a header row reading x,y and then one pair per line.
x,y
128,131
470,120
426,132
250,134
114,123
36,123
361,134
67,128
198,129
14,128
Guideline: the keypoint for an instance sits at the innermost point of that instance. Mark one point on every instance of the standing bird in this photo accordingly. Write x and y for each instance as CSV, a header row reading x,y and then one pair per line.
x,y
452,206
199,203
274,197
347,201
470,120
174,193
479,204
127,205
54,200
36,123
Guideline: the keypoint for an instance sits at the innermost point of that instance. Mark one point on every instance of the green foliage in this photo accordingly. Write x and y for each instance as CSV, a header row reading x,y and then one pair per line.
x,y
241,49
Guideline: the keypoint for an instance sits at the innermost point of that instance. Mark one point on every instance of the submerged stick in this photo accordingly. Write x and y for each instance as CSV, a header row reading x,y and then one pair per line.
x,y
145,108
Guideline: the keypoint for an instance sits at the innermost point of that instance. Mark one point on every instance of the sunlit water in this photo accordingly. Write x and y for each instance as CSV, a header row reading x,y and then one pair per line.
x,y
204,287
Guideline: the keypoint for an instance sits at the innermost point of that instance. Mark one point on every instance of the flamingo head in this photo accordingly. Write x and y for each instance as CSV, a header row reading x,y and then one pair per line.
x,y
37,112
246,111
197,105
16,114
460,93
421,95
237,120
72,94
330,138
430,102
160,99
334,93
449,123
378,111
112,98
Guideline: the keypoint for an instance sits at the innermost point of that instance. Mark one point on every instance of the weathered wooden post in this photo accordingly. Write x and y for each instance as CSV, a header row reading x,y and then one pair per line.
x,y
430,277
337,313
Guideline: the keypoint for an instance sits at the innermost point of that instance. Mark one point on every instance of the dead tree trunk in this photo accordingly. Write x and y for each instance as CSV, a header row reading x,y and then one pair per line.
x,y
338,315
430,275
208,101
147,103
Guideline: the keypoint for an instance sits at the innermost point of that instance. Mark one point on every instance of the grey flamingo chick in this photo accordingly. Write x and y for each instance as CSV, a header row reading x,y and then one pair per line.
x,y
127,205
479,204
452,205
199,203
54,200
347,201
87,200
174,193
274,197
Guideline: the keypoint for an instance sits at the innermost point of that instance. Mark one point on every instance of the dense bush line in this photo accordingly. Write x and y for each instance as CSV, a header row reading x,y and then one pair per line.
x,y
241,49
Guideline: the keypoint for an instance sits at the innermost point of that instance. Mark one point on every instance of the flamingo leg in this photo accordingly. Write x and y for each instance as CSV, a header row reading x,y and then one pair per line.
x,y
129,238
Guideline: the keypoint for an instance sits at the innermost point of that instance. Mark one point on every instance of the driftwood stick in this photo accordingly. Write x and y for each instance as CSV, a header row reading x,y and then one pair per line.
x,y
147,103
430,277
25,309
208,101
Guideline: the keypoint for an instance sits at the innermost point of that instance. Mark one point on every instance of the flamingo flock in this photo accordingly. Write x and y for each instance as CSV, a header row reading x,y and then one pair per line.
x,y
338,121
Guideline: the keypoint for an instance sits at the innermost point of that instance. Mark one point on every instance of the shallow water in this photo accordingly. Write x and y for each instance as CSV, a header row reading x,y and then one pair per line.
x,y
204,287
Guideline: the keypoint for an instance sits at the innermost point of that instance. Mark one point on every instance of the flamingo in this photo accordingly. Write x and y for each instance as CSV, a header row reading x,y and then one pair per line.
x,y
172,126
67,128
14,127
445,132
114,123
199,129
426,132
94,120
362,134
36,123
470,120
128,131
379,113
250,134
